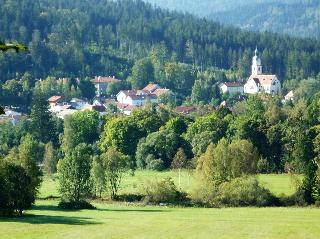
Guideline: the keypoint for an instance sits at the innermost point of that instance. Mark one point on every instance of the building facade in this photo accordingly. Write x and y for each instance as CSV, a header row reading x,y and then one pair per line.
x,y
259,82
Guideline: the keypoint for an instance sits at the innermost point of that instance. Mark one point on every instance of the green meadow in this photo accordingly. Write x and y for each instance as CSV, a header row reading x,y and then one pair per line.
x,y
124,220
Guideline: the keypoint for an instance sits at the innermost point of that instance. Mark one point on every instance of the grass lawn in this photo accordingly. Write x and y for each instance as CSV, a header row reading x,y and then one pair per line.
x,y
123,221
118,220
276,183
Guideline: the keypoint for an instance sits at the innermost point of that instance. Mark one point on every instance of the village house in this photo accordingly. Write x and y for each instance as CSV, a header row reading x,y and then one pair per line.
x,y
128,100
54,100
136,97
260,83
289,96
101,84
78,104
231,87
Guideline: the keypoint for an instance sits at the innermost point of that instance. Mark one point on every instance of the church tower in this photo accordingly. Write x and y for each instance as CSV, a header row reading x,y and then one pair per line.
x,y
256,64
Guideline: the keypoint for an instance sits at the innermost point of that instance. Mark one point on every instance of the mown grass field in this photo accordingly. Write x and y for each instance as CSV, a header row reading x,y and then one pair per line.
x,y
277,184
121,220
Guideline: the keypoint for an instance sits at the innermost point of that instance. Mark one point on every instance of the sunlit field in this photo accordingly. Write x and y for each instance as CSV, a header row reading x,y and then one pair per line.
x,y
276,183
124,220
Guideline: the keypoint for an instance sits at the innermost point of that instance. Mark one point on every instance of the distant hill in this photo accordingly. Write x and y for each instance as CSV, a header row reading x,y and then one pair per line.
x,y
295,17
68,38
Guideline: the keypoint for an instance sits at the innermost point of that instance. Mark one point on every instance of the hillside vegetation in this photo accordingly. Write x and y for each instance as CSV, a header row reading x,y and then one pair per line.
x,y
294,17
87,38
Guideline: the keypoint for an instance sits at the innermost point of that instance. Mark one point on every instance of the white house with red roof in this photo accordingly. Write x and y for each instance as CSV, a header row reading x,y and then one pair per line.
x,y
54,100
136,97
231,87
259,82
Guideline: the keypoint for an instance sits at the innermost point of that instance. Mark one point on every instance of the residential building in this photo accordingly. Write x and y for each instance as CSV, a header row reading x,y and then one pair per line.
x,y
289,96
54,100
101,84
136,97
259,82
232,88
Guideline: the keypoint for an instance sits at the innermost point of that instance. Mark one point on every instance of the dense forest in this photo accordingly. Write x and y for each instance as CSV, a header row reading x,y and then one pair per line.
x,y
294,17
88,38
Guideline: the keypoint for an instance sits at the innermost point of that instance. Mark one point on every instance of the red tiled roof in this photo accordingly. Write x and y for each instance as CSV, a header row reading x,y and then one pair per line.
x,y
104,79
125,107
151,87
232,84
160,91
186,109
54,99
138,95
263,79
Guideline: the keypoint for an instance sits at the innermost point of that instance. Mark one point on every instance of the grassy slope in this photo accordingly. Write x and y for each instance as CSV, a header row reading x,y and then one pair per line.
x,y
45,220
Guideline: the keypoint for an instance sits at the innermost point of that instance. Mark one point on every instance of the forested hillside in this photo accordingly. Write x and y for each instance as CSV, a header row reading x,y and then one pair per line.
x,y
294,17
78,39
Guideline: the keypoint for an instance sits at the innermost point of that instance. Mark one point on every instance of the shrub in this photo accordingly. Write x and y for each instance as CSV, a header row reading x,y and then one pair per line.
x,y
240,192
73,205
244,191
163,191
297,199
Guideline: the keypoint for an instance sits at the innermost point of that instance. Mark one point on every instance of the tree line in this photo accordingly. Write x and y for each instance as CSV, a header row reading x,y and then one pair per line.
x,y
72,39
91,153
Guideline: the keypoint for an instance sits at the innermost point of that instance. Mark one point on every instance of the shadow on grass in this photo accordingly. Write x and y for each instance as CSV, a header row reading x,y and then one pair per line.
x,y
44,219
56,208
131,210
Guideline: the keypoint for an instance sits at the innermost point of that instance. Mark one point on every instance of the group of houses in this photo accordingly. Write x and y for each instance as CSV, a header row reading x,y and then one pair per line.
x,y
62,108
128,100
256,83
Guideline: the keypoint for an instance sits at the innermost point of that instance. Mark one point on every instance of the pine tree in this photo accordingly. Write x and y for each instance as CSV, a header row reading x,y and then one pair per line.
x,y
42,126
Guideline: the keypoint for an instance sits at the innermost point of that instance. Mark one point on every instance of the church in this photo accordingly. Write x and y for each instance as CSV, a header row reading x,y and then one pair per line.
x,y
258,82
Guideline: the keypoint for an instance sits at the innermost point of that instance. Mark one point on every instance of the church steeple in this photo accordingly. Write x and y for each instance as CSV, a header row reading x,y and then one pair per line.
x,y
256,63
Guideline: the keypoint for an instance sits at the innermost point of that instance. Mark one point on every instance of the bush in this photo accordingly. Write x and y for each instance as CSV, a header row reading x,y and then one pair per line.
x,y
296,199
242,192
73,205
163,191
128,198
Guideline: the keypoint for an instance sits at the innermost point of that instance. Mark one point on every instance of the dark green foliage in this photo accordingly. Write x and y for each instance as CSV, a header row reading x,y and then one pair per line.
x,y
16,190
110,36
115,164
163,191
81,127
74,174
42,126
142,73
50,159
244,192
30,154
205,130
158,149
87,88
72,205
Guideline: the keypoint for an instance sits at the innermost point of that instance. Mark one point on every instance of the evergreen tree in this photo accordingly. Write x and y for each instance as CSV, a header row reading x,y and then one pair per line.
x,y
42,126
